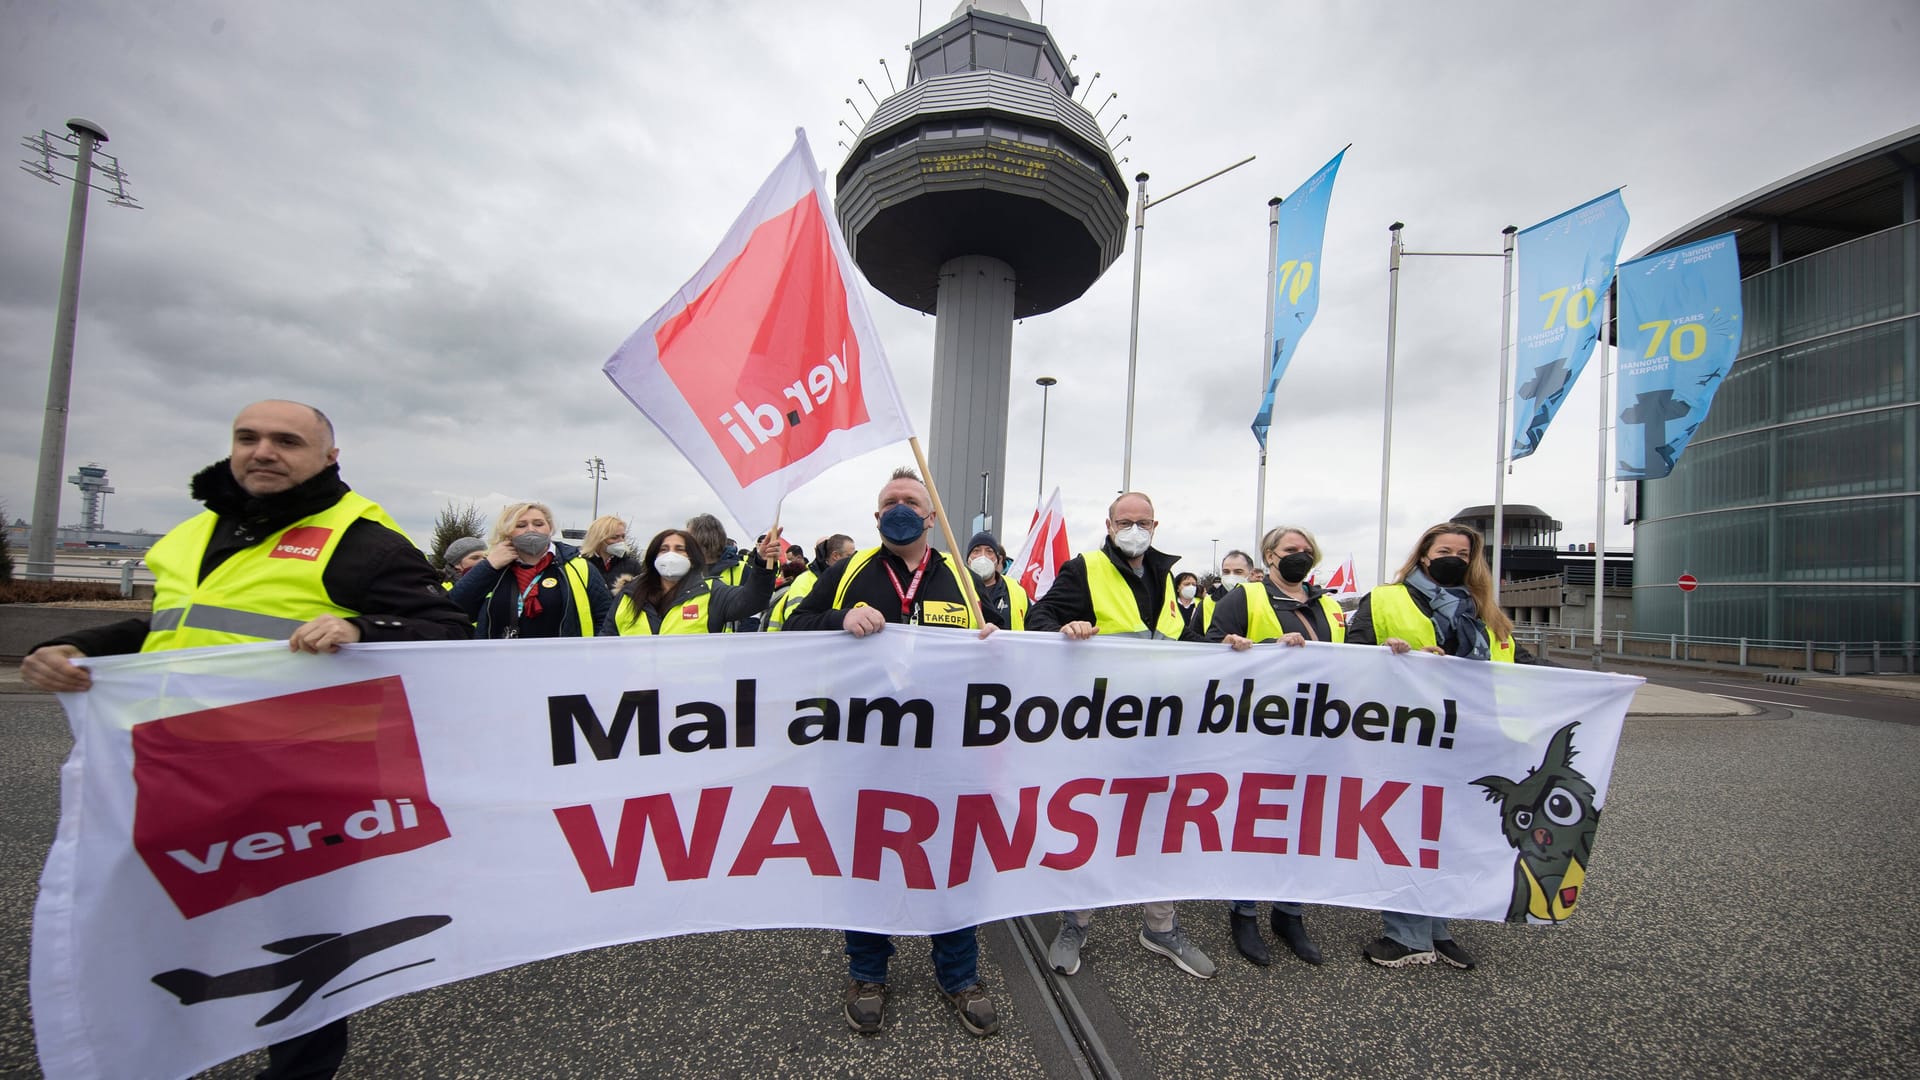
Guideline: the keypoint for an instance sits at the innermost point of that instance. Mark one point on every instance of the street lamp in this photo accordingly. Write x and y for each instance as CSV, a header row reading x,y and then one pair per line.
x,y
597,470
79,148
1046,384
1216,555
1133,335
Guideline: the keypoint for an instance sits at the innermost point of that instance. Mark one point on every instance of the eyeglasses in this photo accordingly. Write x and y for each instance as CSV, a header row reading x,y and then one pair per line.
x,y
1124,525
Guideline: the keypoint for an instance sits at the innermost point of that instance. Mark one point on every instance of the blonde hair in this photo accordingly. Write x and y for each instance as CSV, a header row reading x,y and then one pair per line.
x,y
1479,583
503,523
1271,541
596,541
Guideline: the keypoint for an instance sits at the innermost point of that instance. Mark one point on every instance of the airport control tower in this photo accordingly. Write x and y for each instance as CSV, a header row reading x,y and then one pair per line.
x,y
91,479
981,193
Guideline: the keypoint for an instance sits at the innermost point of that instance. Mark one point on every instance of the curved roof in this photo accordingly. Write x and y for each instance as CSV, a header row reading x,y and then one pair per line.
x,y
1840,199
1513,513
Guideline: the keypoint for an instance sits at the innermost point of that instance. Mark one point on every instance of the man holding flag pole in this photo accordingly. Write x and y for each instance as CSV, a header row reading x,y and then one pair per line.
x,y
765,370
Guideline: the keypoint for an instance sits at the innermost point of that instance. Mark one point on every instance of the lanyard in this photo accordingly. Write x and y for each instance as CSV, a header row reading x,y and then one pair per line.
x,y
906,595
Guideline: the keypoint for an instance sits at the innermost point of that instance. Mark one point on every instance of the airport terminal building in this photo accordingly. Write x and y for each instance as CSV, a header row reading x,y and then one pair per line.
x,y
1797,504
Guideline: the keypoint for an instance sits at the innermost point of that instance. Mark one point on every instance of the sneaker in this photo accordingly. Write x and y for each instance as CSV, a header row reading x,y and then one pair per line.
x,y
1292,929
1064,955
866,1004
1246,938
975,1010
1449,951
1389,953
1174,946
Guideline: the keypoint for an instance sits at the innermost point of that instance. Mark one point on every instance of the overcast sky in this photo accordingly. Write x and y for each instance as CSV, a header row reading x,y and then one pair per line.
x,y
436,221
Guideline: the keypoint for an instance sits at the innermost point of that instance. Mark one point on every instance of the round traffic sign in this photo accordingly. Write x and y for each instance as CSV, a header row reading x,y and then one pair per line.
x,y
1688,582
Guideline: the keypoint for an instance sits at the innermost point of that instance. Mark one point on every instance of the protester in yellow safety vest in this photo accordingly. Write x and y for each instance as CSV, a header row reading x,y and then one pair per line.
x,y
835,549
903,580
1235,570
1186,591
725,562
1442,601
1124,588
284,551
1282,608
1002,599
532,585
671,597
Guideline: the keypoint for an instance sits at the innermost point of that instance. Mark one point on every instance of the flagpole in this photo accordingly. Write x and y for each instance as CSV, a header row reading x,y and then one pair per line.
x,y
946,530
1500,444
1266,365
1600,492
1386,426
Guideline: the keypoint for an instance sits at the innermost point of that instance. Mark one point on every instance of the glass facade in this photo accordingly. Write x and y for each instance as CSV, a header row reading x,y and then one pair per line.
x,y
1797,504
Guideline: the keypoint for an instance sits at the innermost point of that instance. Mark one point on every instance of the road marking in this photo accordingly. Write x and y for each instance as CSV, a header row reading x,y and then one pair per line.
x,y
1760,701
1789,693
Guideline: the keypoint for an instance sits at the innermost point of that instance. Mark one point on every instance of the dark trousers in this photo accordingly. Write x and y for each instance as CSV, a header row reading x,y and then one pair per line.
x,y
956,956
314,1056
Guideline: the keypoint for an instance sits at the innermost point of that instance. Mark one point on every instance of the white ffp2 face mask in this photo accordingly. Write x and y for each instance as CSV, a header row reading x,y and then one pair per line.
x,y
984,566
672,564
1133,541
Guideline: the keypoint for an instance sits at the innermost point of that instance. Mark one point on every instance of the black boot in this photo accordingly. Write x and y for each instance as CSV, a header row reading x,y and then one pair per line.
x,y
1246,938
1292,929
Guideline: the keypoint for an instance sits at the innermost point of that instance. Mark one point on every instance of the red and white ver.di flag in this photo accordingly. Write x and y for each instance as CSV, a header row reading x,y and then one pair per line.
x,y
765,369
1342,583
1045,550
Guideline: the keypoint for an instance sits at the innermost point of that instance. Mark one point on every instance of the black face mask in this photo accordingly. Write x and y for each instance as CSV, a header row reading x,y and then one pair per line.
x,y
1448,571
1293,569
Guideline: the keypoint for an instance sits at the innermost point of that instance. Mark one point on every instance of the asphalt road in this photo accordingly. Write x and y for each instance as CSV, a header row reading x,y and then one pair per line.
x,y
1811,695
1743,919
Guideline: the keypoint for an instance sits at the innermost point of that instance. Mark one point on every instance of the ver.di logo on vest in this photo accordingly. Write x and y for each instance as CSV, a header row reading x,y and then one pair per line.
x,y
305,542
238,801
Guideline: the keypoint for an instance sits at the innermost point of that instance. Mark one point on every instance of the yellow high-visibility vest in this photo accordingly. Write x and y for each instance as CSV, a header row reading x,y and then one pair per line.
x,y
1396,615
1263,624
956,615
1115,611
687,617
261,593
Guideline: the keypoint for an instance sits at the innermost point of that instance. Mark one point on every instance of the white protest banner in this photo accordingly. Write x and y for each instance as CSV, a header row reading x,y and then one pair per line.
x,y
765,368
253,843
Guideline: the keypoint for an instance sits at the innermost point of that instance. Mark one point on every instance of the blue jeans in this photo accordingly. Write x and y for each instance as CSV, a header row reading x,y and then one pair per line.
x,y
956,956
1417,932
1250,908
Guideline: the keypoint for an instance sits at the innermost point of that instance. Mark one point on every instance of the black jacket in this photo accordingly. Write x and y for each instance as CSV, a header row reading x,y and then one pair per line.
x,y
730,603
489,596
1308,619
1360,628
374,570
873,588
1069,600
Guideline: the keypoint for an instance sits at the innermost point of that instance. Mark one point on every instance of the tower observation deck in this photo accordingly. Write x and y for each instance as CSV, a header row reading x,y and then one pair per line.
x,y
981,193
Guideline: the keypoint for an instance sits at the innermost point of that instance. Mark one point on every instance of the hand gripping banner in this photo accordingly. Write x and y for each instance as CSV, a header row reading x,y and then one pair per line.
x,y
1679,334
1566,265
765,369
253,843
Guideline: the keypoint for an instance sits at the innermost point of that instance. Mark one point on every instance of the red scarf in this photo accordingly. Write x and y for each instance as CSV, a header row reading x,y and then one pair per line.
x,y
523,576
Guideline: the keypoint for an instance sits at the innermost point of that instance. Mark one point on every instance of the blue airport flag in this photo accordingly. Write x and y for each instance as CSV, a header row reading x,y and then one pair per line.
x,y
1296,279
1566,264
1679,332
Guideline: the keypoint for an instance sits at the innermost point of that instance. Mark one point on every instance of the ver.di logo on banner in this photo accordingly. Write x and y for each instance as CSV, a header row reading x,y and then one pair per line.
x,y
235,802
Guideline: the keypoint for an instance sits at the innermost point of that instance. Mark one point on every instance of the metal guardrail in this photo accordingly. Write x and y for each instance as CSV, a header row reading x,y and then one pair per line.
x,y
1814,657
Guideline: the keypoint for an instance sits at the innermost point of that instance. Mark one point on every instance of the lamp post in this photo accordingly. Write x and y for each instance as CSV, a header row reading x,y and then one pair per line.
x,y
1046,384
597,470
1216,555
86,135
1141,203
